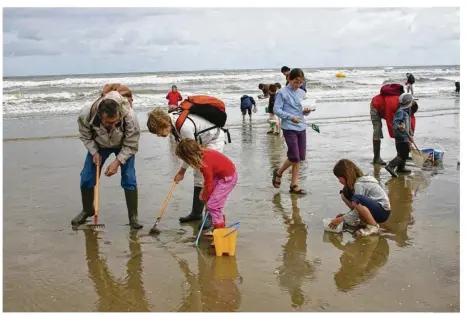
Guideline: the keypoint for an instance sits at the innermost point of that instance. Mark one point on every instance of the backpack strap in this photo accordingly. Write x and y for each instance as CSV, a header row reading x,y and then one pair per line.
x,y
226,131
183,114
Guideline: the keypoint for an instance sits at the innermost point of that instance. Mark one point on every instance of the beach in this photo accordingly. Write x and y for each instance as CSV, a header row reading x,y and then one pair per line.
x,y
284,260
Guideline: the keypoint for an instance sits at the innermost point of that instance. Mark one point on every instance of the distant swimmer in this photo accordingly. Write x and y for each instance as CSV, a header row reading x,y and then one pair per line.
x,y
285,70
457,87
410,82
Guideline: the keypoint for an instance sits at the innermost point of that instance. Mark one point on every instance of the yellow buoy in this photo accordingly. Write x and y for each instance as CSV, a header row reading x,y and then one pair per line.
x,y
340,75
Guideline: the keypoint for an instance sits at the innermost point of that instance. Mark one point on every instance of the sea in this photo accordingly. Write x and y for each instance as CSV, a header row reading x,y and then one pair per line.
x,y
66,94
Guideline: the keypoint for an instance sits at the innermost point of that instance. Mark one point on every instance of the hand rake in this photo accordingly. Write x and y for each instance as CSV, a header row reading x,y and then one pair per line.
x,y
155,230
95,225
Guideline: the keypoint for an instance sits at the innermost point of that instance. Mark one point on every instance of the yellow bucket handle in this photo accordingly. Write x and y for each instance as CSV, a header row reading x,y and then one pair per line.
x,y
237,224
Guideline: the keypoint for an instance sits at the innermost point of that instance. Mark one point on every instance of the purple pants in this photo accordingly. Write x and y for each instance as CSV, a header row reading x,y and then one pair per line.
x,y
296,142
219,196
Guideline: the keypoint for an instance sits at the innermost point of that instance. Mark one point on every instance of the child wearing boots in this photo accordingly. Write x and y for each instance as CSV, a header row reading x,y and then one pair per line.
x,y
365,197
219,174
403,136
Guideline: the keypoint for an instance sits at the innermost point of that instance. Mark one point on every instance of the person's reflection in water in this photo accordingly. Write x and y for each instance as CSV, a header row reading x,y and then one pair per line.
x,y
360,261
116,295
214,288
377,170
296,267
247,136
275,151
401,200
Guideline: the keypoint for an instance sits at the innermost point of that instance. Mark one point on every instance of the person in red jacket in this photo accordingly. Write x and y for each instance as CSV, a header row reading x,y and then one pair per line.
x,y
219,174
384,106
173,98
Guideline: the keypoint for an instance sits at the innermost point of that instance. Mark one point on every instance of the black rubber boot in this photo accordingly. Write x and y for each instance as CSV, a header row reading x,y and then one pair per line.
x,y
87,200
377,159
131,197
401,169
197,207
391,167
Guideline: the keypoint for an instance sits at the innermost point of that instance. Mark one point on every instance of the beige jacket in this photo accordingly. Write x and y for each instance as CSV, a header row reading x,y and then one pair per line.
x,y
126,134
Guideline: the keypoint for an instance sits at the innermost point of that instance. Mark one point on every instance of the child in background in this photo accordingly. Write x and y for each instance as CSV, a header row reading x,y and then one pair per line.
x,y
246,106
219,174
364,196
272,119
264,88
173,98
288,107
403,135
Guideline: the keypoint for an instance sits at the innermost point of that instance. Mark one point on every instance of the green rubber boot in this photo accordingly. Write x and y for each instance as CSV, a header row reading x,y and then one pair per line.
x,y
87,200
131,197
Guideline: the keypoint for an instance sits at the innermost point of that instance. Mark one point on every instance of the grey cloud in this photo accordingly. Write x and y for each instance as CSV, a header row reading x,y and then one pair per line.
x,y
170,38
18,49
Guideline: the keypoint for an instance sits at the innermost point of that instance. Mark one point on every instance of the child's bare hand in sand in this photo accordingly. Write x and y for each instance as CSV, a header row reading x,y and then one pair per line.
x,y
335,222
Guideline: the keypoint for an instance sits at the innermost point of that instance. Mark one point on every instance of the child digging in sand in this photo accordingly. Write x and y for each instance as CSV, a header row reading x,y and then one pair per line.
x,y
219,174
364,196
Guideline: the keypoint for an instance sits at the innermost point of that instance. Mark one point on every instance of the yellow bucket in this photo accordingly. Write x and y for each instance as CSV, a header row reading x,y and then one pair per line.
x,y
225,240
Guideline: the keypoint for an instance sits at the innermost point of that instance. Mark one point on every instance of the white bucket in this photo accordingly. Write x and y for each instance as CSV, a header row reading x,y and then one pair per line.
x,y
337,229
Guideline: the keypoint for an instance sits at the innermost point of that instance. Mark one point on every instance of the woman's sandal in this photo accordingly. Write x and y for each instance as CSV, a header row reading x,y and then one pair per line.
x,y
294,189
276,181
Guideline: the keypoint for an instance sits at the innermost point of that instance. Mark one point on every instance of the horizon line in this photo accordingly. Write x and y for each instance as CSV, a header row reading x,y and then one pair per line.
x,y
212,70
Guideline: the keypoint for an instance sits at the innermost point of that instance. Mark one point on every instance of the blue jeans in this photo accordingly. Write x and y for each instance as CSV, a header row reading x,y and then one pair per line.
x,y
378,212
127,170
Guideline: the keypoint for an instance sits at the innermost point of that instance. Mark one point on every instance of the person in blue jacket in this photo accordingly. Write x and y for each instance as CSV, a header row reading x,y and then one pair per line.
x,y
246,106
285,70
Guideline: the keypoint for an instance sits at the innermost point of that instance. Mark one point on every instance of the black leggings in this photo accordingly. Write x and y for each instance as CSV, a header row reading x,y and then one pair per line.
x,y
403,149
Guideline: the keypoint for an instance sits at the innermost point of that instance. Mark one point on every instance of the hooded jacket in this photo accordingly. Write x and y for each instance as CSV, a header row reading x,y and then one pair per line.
x,y
125,135
386,104
247,101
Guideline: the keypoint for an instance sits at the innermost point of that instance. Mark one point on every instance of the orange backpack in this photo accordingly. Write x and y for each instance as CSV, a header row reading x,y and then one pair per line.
x,y
207,107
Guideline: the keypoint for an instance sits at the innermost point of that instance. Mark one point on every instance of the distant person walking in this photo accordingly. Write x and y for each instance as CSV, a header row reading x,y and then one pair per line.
x,y
457,87
410,82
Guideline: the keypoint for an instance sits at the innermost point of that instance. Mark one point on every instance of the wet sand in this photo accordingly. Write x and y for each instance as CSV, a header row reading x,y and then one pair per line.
x,y
284,260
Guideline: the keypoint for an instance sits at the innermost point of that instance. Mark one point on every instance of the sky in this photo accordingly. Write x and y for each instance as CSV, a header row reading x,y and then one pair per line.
x,y
43,41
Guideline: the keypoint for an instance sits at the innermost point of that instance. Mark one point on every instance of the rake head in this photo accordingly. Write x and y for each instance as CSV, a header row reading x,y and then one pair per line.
x,y
154,230
96,226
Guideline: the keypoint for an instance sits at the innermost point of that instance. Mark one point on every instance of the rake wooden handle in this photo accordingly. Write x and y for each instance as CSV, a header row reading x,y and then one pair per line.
x,y
167,199
96,193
